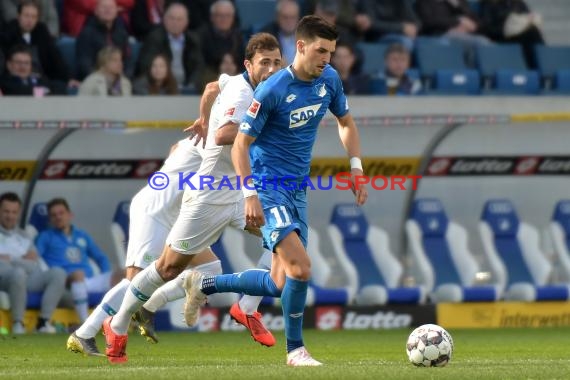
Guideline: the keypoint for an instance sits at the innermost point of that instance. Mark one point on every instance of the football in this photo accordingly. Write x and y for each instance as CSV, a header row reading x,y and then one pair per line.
x,y
429,346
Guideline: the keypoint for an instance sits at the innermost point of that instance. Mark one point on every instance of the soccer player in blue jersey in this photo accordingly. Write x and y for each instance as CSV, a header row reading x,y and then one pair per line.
x,y
275,141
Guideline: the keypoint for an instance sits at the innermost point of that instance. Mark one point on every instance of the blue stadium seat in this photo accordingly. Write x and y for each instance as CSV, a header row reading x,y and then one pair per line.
x,y
559,230
466,82
254,14
120,231
66,46
527,270
562,82
517,82
363,251
372,57
439,248
492,58
551,59
38,220
432,57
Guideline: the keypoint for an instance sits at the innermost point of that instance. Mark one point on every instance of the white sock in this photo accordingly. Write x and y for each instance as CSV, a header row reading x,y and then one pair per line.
x,y
173,290
249,304
79,294
109,305
142,287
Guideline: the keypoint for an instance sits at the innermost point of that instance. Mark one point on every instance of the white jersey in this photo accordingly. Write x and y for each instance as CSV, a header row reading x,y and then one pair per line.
x,y
164,205
215,182
14,243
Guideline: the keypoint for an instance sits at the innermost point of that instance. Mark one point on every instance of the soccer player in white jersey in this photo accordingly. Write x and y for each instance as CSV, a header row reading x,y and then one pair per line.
x,y
205,212
275,143
151,216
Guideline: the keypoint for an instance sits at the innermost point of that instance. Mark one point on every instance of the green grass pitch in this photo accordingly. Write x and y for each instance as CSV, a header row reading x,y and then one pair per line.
x,y
369,354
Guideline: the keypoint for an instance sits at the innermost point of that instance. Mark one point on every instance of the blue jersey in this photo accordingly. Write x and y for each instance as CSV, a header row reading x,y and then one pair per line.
x,y
71,252
284,117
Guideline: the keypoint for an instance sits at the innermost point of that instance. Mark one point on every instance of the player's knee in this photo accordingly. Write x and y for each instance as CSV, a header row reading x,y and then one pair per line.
x,y
169,271
18,277
300,271
57,275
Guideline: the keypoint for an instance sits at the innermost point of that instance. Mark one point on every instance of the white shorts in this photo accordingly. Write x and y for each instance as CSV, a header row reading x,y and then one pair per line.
x,y
147,238
99,283
199,225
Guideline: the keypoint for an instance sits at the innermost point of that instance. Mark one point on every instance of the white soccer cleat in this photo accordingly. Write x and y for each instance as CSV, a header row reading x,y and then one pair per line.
x,y
195,299
300,357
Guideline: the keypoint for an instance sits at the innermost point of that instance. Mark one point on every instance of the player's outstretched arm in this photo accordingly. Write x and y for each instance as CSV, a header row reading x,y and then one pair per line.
x,y
350,139
240,158
199,129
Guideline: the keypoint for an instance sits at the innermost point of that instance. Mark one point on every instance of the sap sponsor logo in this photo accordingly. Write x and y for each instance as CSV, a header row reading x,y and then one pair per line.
x,y
271,321
489,166
439,166
526,165
328,318
500,208
254,108
209,320
301,116
379,320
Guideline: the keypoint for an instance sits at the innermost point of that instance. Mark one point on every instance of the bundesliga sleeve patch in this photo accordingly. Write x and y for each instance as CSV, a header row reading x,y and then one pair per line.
x,y
253,108
230,111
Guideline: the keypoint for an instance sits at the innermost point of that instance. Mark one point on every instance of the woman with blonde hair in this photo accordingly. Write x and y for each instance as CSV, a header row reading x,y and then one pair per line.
x,y
158,80
108,79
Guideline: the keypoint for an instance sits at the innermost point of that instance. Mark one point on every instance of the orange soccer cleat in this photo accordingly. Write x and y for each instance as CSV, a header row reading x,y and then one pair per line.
x,y
254,324
115,344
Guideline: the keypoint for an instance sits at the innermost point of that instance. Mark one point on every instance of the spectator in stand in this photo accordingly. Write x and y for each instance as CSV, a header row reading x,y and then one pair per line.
x,y
109,79
102,29
228,65
511,21
287,16
9,10
19,78
387,21
158,80
76,13
65,246
345,15
20,270
175,41
147,15
454,20
220,36
329,10
395,80
27,30
343,60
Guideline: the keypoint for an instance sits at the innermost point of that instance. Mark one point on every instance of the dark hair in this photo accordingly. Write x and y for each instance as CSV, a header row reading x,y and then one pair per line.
x,y
312,27
18,49
27,3
396,48
58,202
169,85
261,41
342,43
10,197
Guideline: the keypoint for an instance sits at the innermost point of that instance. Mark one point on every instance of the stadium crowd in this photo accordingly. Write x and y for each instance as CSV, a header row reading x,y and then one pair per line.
x,y
167,47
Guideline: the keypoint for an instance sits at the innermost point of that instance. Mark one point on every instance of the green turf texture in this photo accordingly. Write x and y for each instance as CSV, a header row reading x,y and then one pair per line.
x,y
369,354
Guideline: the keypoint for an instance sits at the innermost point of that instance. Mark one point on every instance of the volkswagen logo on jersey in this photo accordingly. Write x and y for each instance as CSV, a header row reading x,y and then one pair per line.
x,y
301,116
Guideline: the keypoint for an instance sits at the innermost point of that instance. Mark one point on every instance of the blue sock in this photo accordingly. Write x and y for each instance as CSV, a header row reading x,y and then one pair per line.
x,y
293,300
254,282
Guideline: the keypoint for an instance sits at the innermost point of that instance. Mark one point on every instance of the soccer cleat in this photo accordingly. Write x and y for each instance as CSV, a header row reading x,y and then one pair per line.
x,y
18,328
145,321
46,328
116,344
87,347
300,357
254,324
195,299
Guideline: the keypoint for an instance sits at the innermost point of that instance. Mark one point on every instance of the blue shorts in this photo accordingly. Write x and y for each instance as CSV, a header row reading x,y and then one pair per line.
x,y
285,211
